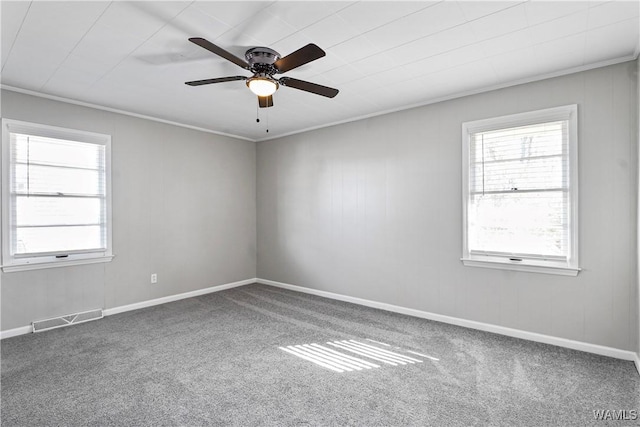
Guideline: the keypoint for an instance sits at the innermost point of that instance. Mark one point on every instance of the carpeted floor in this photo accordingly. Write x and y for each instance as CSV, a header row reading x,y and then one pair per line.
x,y
217,360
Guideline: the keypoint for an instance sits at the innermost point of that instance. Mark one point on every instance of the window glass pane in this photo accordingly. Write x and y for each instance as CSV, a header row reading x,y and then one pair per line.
x,y
58,211
519,190
519,223
525,174
33,179
58,192
58,239
544,139
57,152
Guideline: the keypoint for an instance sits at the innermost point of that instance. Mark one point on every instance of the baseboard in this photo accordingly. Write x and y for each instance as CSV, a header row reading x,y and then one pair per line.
x,y
15,332
177,297
516,333
143,304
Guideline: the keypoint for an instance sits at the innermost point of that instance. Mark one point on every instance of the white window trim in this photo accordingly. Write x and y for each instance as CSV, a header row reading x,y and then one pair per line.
x,y
571,266
13,264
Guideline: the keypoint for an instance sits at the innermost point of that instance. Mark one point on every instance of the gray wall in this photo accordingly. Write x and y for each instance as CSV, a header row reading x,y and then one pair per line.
x,y
183,207
370,209
637,312
373,209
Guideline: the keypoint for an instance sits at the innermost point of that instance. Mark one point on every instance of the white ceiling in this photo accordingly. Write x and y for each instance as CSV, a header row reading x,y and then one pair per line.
x,y
382,56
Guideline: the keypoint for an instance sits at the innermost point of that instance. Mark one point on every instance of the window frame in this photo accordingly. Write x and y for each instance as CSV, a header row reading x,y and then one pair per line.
x,y
11,263
570,267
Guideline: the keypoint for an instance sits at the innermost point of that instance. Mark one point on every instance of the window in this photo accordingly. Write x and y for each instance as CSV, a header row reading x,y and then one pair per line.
x,y
520,188
55,196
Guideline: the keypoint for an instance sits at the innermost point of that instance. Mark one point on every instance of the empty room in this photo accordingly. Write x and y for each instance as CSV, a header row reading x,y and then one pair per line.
x,y
319,213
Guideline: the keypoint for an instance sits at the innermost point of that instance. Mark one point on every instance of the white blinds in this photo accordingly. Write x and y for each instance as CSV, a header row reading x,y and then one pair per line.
x,y
519,191
58,191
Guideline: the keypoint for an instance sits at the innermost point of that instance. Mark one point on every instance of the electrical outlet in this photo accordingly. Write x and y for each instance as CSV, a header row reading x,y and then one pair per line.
x,y
154,278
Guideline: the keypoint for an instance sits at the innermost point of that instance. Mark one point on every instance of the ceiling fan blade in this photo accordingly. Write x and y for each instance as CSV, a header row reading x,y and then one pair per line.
x,y
302,56
265,101
329,92
218,80
219,51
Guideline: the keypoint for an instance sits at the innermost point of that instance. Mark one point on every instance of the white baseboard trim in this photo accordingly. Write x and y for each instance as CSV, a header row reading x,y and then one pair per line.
x,y
16,331
177,297
516,333
143,304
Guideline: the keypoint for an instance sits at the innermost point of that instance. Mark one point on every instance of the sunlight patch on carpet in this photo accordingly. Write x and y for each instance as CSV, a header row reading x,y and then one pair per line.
x,y
351,355
423,355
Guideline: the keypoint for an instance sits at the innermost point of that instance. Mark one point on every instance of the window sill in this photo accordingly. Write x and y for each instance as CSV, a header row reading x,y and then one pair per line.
x,y
544,267
43,265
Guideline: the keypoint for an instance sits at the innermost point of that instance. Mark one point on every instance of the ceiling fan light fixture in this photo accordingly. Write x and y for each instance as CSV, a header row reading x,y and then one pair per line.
x,y
262,86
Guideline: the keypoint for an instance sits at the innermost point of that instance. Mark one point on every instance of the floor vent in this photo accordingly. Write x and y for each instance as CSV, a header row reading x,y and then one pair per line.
x,y
70,319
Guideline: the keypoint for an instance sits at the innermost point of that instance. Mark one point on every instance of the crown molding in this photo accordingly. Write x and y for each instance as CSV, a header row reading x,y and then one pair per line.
x,y
118,111
463,94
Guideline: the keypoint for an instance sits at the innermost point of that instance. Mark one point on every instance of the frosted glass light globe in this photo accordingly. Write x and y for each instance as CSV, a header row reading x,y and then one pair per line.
x,y
262,86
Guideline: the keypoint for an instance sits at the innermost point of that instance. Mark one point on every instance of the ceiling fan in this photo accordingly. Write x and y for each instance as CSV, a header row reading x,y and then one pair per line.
x,y
264,63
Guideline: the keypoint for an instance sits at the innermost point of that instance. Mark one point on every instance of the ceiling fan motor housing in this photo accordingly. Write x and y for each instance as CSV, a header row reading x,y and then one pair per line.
x,y
261,60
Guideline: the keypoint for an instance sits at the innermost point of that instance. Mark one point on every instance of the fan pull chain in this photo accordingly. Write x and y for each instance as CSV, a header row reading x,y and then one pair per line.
x,y
258,116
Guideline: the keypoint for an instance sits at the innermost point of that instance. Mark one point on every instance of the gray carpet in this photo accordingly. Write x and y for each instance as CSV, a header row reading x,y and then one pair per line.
x,y
215,360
